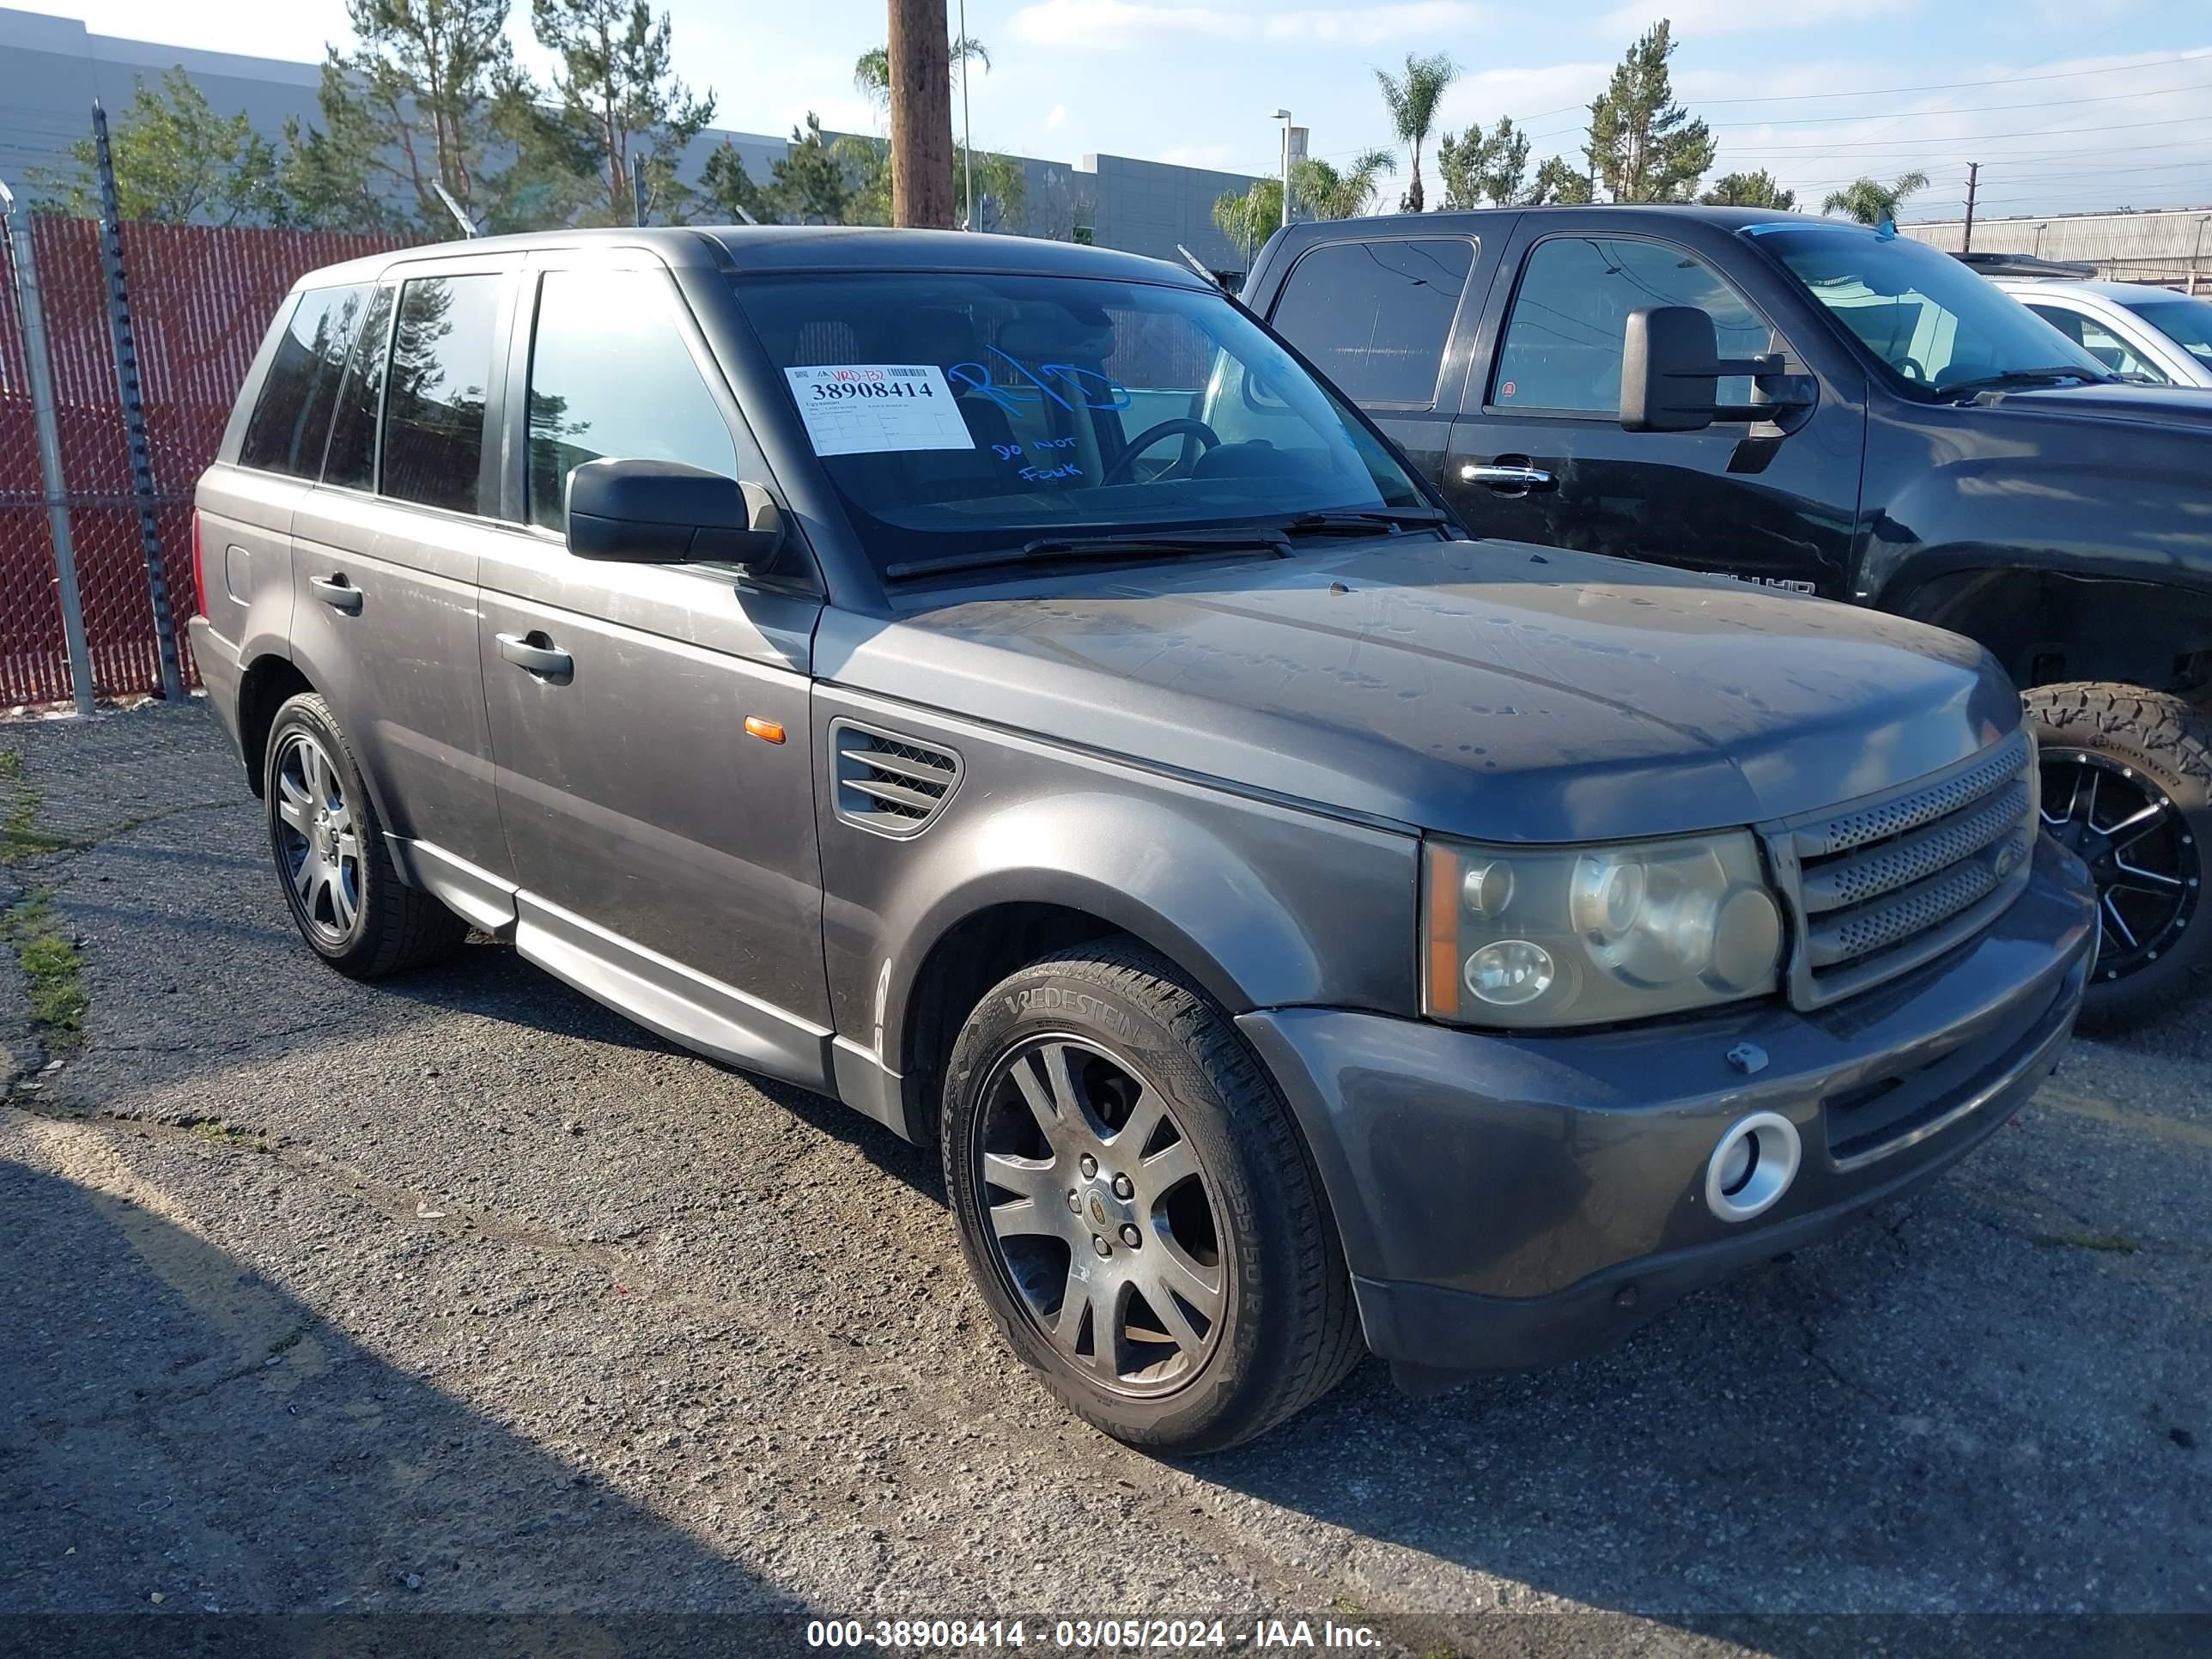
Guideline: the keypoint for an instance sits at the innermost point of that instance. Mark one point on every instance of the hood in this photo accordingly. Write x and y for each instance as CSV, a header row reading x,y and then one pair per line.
x,y
1485,689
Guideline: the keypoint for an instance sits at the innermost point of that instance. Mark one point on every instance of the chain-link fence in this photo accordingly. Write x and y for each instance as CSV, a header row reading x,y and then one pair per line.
x,y
200,300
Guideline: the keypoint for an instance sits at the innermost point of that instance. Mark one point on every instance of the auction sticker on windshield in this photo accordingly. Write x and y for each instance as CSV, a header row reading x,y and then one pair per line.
x,y
867,409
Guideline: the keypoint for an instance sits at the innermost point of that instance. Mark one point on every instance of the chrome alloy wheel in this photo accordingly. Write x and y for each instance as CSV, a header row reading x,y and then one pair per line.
x,y
2138,847
1100,1218
318,840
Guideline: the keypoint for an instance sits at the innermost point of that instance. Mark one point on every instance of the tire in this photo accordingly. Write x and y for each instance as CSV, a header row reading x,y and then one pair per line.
x,y
345,894
1226,1202
2147,757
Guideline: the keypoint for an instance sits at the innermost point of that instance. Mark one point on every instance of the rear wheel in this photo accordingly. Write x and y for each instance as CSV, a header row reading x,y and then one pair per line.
x,y
345,895
1137,1207
2127,784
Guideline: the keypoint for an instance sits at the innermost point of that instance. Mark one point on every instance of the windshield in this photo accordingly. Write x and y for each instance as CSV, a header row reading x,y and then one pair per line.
x,y
959,413
1933,320
2186,322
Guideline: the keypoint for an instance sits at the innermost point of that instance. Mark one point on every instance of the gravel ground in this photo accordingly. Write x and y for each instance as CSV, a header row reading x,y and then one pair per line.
x,y
458,1294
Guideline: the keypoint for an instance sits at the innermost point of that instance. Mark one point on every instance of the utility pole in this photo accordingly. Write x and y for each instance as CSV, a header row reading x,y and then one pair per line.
x,y
922,115
30,309
637,189
1973,183
1284,116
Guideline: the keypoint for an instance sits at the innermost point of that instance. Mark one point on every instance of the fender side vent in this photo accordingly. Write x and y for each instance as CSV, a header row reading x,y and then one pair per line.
x,y
889,784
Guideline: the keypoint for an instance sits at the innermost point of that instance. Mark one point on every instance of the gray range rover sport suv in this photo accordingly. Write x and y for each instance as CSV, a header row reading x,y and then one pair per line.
x,y
999,684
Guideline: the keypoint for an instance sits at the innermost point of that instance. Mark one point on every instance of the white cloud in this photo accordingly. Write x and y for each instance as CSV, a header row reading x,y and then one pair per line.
x,y
1057,117
1692,17
1195,156
1115,24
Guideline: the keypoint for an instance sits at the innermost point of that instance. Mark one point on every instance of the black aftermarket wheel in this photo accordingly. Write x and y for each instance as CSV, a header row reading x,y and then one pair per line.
x,y
1137,1207
2127,785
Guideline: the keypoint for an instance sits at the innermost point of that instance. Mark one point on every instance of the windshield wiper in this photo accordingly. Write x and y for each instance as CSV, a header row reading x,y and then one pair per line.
x,y
1047,549
1364,520
2028,377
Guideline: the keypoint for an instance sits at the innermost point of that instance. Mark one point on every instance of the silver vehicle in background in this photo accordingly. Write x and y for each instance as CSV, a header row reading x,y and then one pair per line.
x,y
2140,333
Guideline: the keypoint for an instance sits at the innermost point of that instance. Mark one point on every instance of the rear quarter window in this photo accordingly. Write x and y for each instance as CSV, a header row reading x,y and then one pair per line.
x,y
1377,316
292,412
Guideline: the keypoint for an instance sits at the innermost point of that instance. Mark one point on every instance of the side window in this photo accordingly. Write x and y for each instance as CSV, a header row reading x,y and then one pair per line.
x,y
434,408
2100,343
352,457
1563,341
292,415
1375,317
610,375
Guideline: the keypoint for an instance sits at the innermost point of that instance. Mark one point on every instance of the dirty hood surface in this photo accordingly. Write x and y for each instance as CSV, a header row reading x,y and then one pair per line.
x,y
1485,689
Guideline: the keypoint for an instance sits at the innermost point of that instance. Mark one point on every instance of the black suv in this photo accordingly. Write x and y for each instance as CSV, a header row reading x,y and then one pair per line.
x,y
1837,410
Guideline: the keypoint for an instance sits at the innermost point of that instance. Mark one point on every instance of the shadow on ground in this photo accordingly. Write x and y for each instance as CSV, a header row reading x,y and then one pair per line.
x,y
169,1406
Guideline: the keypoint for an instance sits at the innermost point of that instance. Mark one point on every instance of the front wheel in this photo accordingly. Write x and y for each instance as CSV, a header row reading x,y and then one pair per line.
x,y
1137,1207
2127,784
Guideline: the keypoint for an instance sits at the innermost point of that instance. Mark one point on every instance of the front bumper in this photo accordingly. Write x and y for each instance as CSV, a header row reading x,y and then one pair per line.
x,y
1511,1201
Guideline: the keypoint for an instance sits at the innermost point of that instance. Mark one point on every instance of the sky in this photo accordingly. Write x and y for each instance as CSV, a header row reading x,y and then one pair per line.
x,y
2068,104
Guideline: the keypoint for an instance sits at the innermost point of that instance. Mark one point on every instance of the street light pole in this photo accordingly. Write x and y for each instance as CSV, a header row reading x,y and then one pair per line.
x,y
1284,116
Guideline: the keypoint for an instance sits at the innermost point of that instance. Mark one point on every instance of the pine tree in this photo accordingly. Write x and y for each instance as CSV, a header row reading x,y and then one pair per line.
x,y
1644,146
1756,190
620,100
1478,167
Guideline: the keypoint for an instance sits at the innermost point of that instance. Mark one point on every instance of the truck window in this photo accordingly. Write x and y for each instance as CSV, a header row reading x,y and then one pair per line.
x,y
1375,317
433,410
292,415
1564,342
610,374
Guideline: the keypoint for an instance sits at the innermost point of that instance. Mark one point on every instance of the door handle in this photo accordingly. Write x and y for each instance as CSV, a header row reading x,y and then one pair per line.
x,y
535,652
1504,474
336,593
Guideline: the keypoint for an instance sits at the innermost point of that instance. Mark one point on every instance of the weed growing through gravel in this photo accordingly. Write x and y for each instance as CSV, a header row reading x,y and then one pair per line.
x,y
51,969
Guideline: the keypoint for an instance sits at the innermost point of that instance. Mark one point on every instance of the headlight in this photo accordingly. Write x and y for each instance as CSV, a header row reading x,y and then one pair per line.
x,y
1576,935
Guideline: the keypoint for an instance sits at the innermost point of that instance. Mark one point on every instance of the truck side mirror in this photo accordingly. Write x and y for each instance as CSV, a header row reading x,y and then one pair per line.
x,y
1670,370
647,512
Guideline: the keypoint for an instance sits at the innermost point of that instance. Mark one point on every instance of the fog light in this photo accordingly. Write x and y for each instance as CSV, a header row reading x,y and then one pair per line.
x,y
1752,1166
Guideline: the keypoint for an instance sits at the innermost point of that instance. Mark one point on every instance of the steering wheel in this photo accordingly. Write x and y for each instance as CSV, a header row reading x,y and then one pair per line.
x,y
1180,426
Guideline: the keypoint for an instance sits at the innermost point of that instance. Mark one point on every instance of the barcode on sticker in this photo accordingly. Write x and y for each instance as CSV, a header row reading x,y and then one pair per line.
x,y
910,373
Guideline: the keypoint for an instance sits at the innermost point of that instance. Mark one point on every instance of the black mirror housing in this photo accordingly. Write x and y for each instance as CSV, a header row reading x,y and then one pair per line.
x,y
644,512
1670,370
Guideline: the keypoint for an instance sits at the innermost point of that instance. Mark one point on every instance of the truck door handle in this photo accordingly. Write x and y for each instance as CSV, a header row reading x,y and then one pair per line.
x,y
535,652
1508,472
336,593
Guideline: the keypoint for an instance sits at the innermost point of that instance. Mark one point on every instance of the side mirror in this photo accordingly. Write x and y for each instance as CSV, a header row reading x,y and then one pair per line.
x,y
665,513
1670,370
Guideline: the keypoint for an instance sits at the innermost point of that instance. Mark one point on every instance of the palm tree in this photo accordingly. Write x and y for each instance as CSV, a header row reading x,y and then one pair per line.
x,y
1328,194
871,70
1412,99
1248,220
1870,202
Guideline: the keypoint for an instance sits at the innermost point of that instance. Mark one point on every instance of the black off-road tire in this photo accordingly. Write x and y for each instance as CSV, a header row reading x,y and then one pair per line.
x,y
394,927
1289,1332
2167,744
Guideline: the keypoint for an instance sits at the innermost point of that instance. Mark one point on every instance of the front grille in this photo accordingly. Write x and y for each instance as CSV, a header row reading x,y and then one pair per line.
x,y
893,785
1883,885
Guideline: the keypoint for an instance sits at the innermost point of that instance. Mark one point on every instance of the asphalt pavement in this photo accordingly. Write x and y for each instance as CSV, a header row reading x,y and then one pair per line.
x,y
458,1295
